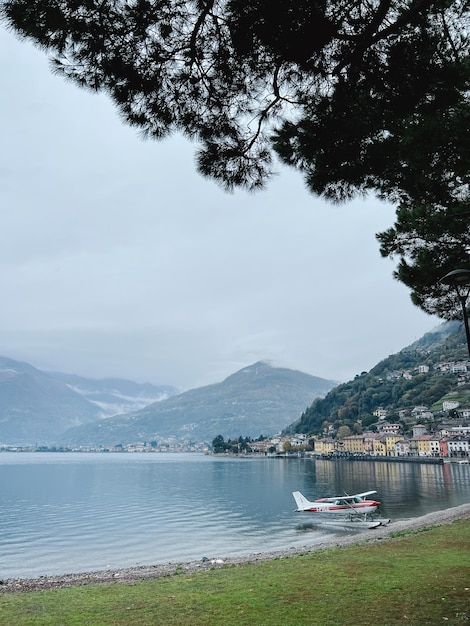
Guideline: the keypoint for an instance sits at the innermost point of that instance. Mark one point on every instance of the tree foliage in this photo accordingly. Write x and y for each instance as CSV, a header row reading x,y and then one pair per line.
x,y
234,446
430,242
359,96
348,88
343,431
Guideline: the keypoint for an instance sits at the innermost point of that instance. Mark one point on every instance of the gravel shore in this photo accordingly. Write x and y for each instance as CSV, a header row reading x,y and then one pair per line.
x,y
134,574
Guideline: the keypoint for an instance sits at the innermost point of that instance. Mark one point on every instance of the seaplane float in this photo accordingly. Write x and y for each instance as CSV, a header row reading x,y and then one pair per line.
x,y
344,510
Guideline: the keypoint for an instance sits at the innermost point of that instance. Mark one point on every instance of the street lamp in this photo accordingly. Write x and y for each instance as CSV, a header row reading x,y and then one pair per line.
x,y
460,280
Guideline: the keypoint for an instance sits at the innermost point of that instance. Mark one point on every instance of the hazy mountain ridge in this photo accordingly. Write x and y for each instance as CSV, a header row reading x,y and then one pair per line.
x,y
258,399
54,408
36,407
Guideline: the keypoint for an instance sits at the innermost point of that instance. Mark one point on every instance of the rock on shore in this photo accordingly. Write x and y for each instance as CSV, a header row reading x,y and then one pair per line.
x,y
134,574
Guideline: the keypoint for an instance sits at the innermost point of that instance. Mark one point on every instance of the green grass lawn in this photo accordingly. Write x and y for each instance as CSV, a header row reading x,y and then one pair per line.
x,y
416,579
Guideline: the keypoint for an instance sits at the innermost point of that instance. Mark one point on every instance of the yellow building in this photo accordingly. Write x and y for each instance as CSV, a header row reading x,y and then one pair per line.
x,y
380,446
354,444
424,445
391,442
324,446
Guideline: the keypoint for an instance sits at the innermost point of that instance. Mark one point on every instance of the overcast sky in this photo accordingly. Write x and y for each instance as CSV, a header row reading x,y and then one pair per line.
x,y
118,259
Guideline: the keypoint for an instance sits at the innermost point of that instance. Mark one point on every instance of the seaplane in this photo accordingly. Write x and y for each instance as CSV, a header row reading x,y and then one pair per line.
x,y
347,509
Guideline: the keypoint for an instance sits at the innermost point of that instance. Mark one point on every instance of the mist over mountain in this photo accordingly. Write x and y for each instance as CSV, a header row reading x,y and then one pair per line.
x,y
114,396
258,399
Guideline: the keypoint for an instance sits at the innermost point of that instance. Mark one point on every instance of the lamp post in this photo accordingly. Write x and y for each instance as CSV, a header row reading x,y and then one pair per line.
x,y
460,280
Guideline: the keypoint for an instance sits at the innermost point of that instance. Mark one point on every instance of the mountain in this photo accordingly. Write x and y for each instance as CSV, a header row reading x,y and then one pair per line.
x,y
258,399
36,407
419,375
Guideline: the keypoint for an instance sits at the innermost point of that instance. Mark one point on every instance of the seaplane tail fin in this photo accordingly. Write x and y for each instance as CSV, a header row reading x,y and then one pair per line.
x,y
301,501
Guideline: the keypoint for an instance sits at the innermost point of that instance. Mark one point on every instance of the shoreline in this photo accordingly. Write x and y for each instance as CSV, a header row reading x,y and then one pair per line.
x,y
150,572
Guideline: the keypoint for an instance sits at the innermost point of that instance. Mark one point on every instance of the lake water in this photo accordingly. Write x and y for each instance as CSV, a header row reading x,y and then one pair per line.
x,y
74,512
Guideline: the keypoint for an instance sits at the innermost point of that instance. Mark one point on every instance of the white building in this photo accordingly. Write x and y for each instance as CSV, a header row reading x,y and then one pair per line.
x,y
458,446
389,429
459,430
435,446
448,405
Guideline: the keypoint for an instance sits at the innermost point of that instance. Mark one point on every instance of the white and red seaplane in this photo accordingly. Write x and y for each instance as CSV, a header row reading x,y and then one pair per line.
x,y
356,508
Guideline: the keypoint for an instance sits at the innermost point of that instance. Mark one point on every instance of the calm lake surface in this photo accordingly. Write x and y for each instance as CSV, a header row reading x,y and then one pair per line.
x,y
74,512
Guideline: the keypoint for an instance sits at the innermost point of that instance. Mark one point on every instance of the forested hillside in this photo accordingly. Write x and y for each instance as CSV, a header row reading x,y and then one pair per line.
x,y
395,384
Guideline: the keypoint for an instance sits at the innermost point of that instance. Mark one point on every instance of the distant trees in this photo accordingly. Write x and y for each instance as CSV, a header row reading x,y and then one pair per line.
x,y
343,431
219,445
368,420
243,444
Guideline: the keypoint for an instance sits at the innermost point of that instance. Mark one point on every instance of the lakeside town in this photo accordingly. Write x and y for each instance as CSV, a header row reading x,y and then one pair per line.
x,y
450,442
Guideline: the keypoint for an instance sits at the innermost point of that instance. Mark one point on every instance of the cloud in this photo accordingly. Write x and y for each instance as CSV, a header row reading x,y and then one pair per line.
x,y
119,259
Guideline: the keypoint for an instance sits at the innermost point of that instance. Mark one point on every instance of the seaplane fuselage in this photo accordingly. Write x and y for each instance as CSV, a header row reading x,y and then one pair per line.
x,y
357,504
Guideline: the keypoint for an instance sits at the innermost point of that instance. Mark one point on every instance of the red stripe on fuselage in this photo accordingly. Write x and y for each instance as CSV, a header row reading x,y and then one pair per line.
x,y
344,507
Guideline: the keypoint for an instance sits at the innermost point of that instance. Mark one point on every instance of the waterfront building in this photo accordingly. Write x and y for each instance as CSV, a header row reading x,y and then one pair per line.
x,y
435,445
458,446
354,444
391,444
380,446
443,449
369,439
325,446
402,447
420,445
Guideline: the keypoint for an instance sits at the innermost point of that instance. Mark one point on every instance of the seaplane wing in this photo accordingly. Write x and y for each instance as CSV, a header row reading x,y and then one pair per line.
x,y
363,495
356,503
346,497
